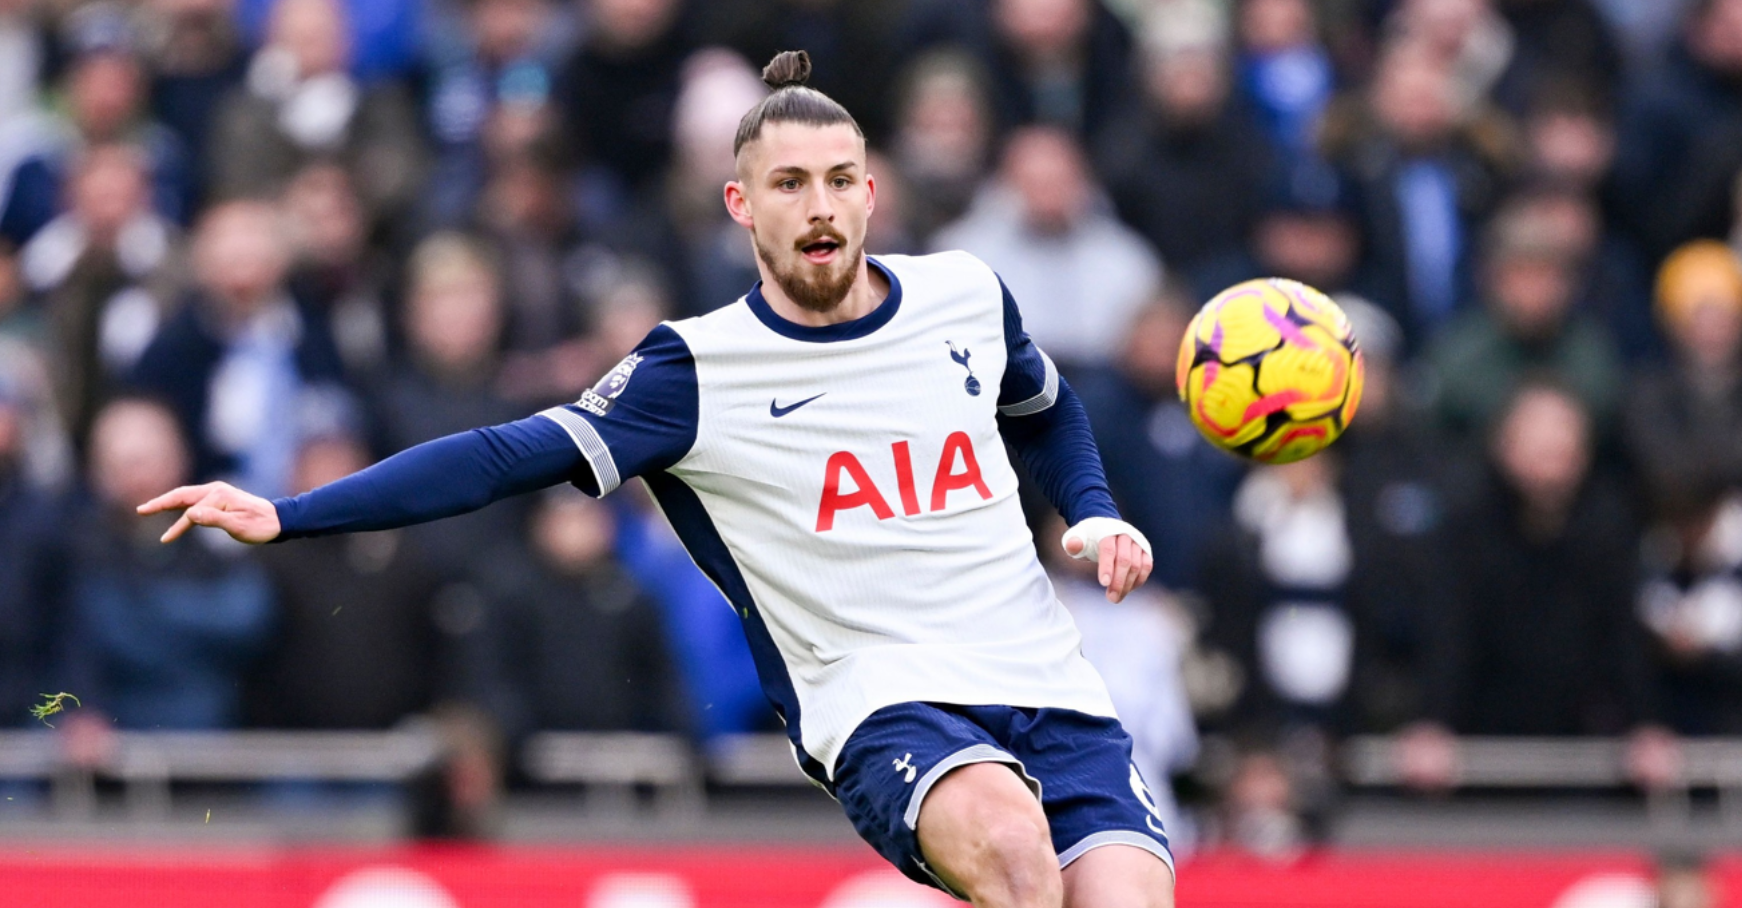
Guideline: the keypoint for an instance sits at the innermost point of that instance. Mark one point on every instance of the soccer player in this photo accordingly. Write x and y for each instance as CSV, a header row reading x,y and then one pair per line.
x,y
831,450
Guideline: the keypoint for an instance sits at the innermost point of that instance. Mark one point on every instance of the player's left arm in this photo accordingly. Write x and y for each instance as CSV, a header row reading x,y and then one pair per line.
x,y
1045,423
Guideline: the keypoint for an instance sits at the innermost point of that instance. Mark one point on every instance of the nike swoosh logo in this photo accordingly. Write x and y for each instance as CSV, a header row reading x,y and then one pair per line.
x,y
777,411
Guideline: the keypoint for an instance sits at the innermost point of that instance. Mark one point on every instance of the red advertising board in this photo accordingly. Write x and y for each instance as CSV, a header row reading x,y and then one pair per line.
x,y
767,877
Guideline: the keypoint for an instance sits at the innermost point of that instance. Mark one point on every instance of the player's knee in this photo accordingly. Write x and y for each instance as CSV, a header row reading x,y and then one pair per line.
x,y
1119,877
990,836
1016,858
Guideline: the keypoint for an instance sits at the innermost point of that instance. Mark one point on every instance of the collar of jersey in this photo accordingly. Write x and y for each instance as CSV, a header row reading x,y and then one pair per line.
x,y
857,328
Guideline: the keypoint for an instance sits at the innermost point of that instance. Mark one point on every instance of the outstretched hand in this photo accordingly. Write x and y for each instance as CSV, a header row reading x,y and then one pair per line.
x,y
1121,554
247,518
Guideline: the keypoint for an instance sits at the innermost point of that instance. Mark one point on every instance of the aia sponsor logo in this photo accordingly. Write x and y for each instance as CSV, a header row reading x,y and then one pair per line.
x,y
847,485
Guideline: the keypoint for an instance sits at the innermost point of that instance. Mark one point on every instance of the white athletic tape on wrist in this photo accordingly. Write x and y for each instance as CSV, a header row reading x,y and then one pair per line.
x,y
1095,529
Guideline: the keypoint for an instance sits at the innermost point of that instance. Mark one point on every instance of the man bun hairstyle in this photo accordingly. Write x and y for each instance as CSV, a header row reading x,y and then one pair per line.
x,y
790,100
789,67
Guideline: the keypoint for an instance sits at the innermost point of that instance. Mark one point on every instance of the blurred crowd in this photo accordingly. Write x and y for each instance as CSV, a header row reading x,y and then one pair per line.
x,y
271,241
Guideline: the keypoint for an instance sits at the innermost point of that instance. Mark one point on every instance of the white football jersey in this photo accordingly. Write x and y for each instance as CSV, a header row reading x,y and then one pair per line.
x,y
848,490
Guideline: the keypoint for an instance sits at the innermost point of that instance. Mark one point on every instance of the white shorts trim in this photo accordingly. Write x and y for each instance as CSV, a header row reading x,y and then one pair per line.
x,y
979,753
1118,837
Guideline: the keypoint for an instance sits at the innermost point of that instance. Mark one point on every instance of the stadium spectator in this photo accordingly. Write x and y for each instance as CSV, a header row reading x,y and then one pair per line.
x,y
1262,811
619,88
1613,282
235,358
1543,576
32,569
1169,482
1424,165
357,643
1529,324
895,233
943,137
335,271
1683,422
385,33
529,219
196,57
1691,603
104,92
1394,482
1468,38
1045,228
1284,71
1674,115
578,646
1060,63
715,265
1703,193
1308,230
611,301
155,638
299,105
107,272
487,92
447,381
1185,166
1557,40
1278,584
1569,136
1570,147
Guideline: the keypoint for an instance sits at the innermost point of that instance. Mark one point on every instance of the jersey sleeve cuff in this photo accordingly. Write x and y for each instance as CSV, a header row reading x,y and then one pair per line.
x,y
591,445
1039,403
288,510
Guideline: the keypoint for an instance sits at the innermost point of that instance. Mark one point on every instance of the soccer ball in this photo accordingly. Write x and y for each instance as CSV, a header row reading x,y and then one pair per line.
x,y
1269,369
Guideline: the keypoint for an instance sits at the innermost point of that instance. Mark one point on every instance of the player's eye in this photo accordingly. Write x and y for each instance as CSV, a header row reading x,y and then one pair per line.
x,y
787,185
842,182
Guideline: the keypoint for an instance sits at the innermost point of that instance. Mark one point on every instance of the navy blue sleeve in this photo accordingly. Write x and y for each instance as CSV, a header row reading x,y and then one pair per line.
x,y
640,418
1059,451
1045,424
1031,381
437,479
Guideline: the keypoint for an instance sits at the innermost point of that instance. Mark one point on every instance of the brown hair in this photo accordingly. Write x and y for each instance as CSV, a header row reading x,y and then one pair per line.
x,y
791,101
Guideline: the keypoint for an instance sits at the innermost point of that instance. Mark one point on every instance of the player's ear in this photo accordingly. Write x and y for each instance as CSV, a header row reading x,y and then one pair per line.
x,y
738,204
870,194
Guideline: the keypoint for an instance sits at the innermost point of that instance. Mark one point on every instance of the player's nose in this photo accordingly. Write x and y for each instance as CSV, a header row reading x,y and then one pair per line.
x,y
819,207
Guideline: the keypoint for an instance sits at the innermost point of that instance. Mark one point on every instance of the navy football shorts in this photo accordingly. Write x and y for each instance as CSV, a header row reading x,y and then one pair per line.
x,y
1078,765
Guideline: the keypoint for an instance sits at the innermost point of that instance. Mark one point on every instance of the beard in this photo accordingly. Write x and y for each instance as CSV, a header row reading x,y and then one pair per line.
x,y
814,289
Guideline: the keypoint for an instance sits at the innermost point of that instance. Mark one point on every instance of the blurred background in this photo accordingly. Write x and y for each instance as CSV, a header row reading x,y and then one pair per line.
x,y
271,241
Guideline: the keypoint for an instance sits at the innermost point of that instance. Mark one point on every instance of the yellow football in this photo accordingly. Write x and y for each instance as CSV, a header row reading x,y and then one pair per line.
x,y
1269,369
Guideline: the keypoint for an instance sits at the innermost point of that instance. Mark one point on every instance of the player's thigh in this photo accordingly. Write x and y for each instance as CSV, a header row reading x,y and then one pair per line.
x,y
1118,876
982,826
898,759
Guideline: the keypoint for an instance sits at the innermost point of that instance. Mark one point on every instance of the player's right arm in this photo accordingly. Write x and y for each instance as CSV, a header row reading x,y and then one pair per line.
x,y
440,478
640,418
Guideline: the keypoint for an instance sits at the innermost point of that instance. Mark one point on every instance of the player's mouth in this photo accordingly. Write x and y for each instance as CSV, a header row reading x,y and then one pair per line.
x,y
820,252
